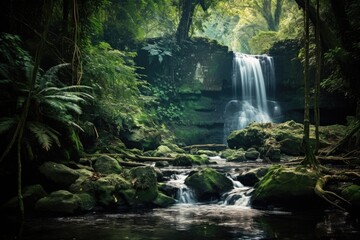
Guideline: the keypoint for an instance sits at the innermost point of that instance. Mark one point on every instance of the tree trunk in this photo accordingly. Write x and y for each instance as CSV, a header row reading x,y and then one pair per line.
x,y
328,37
318,77
278,12
188,7
309,154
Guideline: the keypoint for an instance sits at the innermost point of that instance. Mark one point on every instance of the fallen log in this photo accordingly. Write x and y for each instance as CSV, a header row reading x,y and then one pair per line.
x,y
132,164
214,147
146,159
134,157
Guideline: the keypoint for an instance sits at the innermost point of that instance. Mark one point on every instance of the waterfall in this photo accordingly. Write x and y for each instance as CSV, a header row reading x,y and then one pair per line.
x,y
239,196
184,194
253,80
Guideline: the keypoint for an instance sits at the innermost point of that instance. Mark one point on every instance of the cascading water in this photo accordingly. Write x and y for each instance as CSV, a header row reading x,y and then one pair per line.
x,y
254,78
237,197
184,194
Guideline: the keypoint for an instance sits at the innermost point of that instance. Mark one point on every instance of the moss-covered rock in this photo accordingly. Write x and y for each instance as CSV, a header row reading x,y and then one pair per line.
x,y
59,202
142,137
58,174
207,153
163,200
190,160
252,154
286,187
161,164
144,181
183,160
199,159
87,201
251,177
274,155
285,136
228,152
162,151
237,156
252,136
108,190
208,183
107,165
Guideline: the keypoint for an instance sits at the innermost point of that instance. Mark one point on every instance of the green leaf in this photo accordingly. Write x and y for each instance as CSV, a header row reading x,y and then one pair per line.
x,y
44,134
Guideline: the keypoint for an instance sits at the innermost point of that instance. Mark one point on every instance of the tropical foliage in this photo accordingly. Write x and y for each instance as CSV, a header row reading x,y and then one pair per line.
x,y
53,105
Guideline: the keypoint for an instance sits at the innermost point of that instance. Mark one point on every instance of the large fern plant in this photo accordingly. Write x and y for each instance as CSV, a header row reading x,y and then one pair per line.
x,y
53,105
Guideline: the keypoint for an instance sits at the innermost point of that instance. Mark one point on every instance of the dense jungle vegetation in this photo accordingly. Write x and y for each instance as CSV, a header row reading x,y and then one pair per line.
x,y
84,77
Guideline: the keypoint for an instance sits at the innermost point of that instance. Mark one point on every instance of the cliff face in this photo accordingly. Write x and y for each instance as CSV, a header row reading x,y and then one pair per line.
x,y
197,80
200,73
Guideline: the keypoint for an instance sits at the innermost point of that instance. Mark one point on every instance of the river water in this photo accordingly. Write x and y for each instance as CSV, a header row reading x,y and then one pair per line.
x,y
192,220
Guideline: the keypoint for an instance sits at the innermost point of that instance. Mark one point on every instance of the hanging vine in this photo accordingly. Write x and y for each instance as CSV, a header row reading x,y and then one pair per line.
x,y
76,62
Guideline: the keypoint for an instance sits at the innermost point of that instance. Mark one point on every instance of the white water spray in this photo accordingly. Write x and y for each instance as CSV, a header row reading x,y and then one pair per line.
x,y
254,78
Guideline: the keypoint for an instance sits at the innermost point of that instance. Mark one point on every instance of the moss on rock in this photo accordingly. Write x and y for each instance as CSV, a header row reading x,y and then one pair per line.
x,y
162,151
144,181
252,136
286,187
285,136
107,165
252,154
237,156
59,202
58,174
252,177
163,200
208,183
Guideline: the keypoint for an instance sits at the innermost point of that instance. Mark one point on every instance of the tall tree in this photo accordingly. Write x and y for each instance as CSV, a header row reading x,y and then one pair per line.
x,y
187,11
271,11
317,77
309,154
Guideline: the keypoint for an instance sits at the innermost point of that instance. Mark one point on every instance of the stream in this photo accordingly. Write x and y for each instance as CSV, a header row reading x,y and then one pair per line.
x,y
230,218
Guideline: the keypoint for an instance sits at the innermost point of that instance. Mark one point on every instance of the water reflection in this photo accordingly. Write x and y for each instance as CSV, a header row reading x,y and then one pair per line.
x,y
185,221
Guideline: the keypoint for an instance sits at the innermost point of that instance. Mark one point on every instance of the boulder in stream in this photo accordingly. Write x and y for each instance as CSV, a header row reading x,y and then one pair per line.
x,y
64,202
144,181
208,184
253,176
286,187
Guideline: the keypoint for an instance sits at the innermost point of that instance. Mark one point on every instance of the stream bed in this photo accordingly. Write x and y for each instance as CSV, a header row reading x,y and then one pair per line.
x,y
189,219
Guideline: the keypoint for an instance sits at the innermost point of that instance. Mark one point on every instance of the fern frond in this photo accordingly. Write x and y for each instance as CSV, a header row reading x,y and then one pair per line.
x,y
68,97
73,107
44,134
6,124
51,72
72,123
